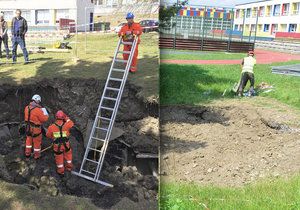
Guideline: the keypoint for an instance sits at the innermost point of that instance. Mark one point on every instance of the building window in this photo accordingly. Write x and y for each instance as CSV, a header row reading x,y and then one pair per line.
x,y
274,28
253,27
8,15
261,11
254,12
259,27
237,14
276,11
293,28
27,15
42,17
248,13
283,27
62,13
295,8
267,28
285,9
268,12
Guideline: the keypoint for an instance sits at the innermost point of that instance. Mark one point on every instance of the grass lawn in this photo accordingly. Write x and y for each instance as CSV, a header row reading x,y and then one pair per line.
x,y
198,84
268,195
199,55
93,64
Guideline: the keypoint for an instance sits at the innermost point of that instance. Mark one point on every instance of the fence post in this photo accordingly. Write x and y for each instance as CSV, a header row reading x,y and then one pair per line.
x,y
203,28
255,29
174,43
244,18
231,29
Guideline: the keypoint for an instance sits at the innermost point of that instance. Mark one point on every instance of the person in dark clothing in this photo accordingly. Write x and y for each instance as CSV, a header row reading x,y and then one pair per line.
x,y
18,29
3,36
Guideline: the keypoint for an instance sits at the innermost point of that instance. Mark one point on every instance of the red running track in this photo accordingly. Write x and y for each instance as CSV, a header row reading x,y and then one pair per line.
x,y
262,57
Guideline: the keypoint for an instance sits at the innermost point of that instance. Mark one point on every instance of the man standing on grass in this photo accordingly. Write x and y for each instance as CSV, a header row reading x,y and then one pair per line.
x,y
18,29
247,74
128,31
3,36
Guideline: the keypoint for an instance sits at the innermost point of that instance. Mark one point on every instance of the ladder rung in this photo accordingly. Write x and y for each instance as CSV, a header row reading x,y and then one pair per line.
x,y
107,108
109,98
104,129
110,88
105,118
118,70
93,161
121,61
95,149
127,43
98,139
88,172
116,79
124,52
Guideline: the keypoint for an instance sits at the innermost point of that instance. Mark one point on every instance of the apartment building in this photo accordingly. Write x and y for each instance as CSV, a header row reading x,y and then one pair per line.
x,y
274,18
48,13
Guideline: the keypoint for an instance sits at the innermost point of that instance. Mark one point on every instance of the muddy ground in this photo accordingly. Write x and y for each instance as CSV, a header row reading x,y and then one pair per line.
x,y
135,179
229,143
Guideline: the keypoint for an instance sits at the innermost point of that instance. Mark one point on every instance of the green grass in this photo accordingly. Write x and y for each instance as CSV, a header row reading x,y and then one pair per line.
x,y
196,84
94,63
277,194
199,55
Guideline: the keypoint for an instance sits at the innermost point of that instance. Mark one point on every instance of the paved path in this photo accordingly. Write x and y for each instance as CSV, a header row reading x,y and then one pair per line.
x,y
262,57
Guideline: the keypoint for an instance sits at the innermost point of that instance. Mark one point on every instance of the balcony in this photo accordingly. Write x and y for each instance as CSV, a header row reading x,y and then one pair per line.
x,y
285,13
268,14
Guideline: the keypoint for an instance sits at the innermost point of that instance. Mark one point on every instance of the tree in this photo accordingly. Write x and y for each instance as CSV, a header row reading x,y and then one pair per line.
x,y
166,13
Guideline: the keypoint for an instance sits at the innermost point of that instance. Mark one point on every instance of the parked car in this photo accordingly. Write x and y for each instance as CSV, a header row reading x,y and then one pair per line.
x,y
149,25
118,28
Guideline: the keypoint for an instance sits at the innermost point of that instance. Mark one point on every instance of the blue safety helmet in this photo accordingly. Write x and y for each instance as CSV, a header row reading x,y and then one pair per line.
x,y
130,15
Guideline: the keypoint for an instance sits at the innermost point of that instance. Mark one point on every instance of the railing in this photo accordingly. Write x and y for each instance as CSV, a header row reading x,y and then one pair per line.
x,y
295,12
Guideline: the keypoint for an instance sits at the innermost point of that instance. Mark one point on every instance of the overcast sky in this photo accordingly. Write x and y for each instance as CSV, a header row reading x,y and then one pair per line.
x,y
229,3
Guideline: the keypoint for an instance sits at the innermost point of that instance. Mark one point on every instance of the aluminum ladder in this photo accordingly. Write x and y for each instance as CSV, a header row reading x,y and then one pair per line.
x,y
103,124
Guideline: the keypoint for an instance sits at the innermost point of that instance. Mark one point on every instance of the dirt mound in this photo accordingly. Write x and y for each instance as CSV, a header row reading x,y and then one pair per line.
x,y
134,179
231,143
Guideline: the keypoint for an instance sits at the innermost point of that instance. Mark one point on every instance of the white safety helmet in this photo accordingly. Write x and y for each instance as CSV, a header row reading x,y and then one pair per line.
x,y
36,98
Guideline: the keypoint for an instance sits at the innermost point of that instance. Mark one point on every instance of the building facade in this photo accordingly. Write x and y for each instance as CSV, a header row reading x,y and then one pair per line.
x,y
48,13
275,18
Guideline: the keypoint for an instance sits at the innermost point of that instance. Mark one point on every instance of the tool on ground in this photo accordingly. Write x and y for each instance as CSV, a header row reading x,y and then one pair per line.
x,y
45,149
103,124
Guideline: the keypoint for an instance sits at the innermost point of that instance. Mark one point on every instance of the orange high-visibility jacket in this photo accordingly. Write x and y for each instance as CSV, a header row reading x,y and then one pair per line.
x,y
37,116
54,132
135,28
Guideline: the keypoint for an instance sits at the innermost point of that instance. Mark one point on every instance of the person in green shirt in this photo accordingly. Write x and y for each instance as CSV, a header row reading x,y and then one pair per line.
x,y
247,73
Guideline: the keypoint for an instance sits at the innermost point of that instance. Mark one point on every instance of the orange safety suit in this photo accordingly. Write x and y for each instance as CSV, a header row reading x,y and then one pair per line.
x,y
59,132
34,118
127,32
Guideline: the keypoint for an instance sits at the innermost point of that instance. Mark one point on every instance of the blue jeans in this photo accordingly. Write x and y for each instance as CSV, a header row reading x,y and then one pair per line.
x,y
17,40
4,39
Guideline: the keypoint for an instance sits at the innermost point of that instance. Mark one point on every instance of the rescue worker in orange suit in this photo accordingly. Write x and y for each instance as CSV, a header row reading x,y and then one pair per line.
x,y
59,132
127,32
35,116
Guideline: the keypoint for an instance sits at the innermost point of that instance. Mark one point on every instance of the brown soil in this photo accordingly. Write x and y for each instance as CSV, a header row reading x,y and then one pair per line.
x,y
229,143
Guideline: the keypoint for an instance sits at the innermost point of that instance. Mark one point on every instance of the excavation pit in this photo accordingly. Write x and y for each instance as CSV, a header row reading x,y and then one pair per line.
x,y
133,177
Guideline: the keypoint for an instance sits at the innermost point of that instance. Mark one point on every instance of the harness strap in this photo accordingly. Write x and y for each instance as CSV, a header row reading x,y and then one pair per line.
x,y
64,142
